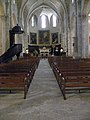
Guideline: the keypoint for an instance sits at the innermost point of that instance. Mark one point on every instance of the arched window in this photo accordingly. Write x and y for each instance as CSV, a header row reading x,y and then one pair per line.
x,y
72,1
89,18
34,20
13,1
43,21
54,20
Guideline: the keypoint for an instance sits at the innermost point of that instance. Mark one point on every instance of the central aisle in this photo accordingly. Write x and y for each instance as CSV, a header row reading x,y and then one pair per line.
x,y
44,94
44,84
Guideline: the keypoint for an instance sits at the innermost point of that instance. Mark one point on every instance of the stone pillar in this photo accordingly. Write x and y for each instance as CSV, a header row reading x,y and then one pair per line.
x,y
3,33
80,44
82,30
70,43
67,41
75,44
79,29
7,23
0,35
66,33
85,42
23,43
10,14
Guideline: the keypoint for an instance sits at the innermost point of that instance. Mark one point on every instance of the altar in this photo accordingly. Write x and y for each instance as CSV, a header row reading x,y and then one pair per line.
x,y
44,52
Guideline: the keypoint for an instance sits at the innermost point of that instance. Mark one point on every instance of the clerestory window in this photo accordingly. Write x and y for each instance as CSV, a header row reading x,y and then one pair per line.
x,y
43,21
33,21
72,1
54,20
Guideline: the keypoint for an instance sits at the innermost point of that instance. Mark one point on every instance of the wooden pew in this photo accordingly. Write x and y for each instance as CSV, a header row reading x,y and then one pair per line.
x,y
14,83
71,74
73,82
18,74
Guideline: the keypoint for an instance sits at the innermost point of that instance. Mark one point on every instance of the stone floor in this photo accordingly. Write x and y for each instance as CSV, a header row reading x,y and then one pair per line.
x,y
44,100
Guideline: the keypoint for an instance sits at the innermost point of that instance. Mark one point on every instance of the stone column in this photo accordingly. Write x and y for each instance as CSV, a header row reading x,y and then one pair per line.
x,y
0,35
75,44
79,29
23,43
66,33
85,42
3,33
9,12
7,24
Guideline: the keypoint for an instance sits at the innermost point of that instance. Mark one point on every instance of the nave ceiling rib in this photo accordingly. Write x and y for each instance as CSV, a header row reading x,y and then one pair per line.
x,y
29,7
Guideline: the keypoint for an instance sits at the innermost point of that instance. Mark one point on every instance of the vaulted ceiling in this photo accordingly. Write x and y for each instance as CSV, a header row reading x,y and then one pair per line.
x,y
29,7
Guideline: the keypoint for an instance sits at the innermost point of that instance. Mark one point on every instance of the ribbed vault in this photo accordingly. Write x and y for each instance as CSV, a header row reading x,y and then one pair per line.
x,y
28,7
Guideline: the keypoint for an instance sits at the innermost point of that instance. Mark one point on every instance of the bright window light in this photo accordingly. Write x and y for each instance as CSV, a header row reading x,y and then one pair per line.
x,y
72,1
14,1
54,21
89,15
33,22
43,21
89,18
89,21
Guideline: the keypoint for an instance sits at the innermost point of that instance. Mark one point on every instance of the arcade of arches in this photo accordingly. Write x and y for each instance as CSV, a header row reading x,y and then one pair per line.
x,y
62,22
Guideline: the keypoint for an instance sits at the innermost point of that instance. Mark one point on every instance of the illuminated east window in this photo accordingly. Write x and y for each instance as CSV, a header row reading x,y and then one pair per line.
x,y
89,15
33,21
54,21
89,21
43,21
13,1
72,1
89,18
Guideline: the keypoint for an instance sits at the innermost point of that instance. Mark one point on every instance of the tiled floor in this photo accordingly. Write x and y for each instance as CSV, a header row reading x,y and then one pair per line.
x,y
44,100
